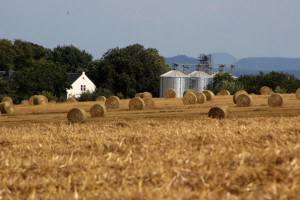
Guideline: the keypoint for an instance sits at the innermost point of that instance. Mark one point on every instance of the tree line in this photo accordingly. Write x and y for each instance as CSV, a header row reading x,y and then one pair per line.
x,y
120,71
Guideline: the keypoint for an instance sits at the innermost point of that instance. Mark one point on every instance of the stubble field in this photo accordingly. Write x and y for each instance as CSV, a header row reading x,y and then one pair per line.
x,y
171,152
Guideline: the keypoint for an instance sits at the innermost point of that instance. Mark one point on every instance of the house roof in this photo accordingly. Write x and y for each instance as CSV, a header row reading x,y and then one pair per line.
x,y
74,77
7,75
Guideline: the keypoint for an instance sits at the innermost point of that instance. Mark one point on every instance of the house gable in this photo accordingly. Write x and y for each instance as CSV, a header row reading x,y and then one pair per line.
x,y
80,84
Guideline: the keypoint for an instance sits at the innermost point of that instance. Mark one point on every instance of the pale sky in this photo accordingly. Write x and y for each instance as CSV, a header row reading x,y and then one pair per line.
x,y
242,28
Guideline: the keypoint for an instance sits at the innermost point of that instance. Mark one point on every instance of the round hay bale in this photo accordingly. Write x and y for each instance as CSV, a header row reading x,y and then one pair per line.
x,y
136,103
146,95
71,100
265,90
149,103
98,110
218,112
209,95
188,90
201,98
101,98
275,100
76,115
171,93
40,100
138,95
223,93
237,94
113,102
244,100
7,99
189,98
25,103
31,100
298,93
52,102
7,107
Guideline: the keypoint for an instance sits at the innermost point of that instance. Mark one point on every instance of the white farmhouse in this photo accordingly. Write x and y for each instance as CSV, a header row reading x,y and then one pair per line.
x,y
80,84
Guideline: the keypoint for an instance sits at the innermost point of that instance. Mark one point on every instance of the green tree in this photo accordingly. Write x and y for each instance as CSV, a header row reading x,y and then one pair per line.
x,y
129,70
42,76
7,55
74,59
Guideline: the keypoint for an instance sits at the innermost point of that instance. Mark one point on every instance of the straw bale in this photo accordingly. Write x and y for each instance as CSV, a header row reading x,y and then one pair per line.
x,y
101,98
7,99
71,100
298,93
7,107
209,95
31,100
189,98
219,112
136,103
201,98
237,94
40,100
138,95
275,100
76,115
244,100
52,102
25,103
98,110
113,102
149,103
223,93
188,90
265,90
171,93
146,95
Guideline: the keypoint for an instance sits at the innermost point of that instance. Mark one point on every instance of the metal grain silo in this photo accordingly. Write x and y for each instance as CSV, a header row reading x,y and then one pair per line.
x,y
173,79
200,80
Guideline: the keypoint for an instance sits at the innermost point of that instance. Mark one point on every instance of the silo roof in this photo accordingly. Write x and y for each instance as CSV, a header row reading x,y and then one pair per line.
x,y
199,74
174,73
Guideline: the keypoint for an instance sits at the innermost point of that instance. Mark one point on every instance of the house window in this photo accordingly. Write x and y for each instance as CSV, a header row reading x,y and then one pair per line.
x,y
83,87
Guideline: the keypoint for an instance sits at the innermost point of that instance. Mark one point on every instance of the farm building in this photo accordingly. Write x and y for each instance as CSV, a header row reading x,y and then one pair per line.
x,y
173,79
80,84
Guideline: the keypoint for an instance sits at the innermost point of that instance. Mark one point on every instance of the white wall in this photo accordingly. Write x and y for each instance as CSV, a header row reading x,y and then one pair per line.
x,y
76,89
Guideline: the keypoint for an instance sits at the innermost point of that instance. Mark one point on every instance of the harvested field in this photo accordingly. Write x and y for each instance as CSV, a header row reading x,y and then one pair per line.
x,y
173,151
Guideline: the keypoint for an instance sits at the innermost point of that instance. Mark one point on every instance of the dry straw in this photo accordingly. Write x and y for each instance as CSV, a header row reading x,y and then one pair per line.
x,y
275,100
7,99
201,98
265,90
31,100
188,90
136,103
71,100
76,115
101,98
113,102
237,94
40,100
223,93
52,102
218,112
189,98
146,95
149,103
244,100
7,107
138,95
98,110
210,96
298,93
171,93
25,103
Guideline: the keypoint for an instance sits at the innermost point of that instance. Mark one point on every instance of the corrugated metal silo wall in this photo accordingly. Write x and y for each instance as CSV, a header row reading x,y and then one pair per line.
x,y
180,84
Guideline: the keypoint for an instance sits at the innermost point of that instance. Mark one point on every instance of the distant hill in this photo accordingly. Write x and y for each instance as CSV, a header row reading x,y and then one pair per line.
x,y
218,58
269,63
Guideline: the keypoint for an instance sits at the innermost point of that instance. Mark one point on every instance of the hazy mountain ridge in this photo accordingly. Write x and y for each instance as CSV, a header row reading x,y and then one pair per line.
x,y
247,66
